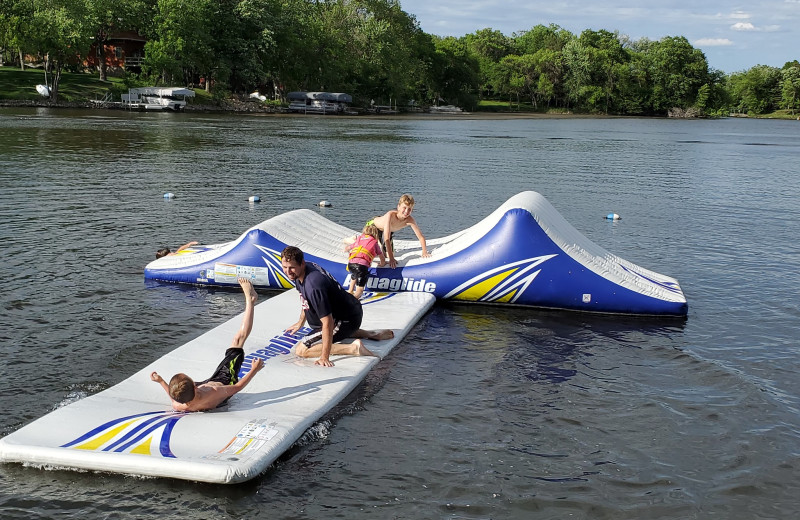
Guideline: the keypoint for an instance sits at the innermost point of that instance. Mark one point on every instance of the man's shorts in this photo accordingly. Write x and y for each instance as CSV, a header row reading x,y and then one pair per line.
x,y
359,272
341,330
227,372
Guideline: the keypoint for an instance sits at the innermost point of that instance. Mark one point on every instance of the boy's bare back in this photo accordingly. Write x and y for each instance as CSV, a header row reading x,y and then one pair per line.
x,y
206,397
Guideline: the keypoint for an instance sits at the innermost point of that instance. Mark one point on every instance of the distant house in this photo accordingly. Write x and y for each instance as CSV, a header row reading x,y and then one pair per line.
x,y
124,50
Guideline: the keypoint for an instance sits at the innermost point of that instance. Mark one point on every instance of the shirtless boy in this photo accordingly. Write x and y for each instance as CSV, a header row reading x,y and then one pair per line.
x,y
188,396
395,220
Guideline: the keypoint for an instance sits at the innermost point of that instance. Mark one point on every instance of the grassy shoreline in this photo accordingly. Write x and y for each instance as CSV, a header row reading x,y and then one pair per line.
x,y
77,90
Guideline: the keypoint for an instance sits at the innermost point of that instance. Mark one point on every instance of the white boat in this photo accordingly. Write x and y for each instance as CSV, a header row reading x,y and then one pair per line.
x,y
43,90
318,102
157,98
444,109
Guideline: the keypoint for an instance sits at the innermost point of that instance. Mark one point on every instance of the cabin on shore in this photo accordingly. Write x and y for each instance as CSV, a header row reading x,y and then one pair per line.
x,y
319,102
123,50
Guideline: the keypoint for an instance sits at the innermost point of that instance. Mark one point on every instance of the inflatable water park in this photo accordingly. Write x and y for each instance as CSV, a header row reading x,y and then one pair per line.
x,y
524,253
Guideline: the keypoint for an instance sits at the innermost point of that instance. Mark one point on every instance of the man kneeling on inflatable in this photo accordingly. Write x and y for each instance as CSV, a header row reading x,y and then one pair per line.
x,y
188,396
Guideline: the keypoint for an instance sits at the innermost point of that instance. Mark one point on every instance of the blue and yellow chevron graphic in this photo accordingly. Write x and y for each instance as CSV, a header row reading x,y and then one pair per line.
x,y
139,434
504,284
273,262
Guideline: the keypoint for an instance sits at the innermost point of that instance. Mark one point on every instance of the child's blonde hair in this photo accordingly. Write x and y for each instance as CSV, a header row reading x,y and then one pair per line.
x,y
373,231
406,199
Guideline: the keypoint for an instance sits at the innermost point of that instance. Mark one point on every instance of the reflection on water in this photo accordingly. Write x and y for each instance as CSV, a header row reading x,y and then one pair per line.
x,y
483,411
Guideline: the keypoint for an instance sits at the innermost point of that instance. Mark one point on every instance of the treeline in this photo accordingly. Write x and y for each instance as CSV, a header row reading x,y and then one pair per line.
x,y
374,50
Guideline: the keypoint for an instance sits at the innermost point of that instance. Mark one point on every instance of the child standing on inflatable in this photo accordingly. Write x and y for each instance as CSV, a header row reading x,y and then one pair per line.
x,y
396,220
362,251
188,396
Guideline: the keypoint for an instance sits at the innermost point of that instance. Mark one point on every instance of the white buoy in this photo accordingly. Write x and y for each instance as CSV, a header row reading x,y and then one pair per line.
x,y
254,198
613,216
324,204
169,195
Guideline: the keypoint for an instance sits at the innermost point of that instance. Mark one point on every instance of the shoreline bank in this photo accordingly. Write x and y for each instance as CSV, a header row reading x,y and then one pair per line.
x,y
252,108
241,107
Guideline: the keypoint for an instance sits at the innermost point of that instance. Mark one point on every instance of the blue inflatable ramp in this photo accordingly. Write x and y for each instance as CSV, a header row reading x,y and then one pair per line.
x,y
524,253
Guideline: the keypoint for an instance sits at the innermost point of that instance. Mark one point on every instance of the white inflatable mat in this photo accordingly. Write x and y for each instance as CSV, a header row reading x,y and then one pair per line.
x,y
131,428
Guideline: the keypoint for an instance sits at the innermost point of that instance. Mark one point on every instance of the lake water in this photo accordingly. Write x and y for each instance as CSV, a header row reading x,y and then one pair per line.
x,y
482,412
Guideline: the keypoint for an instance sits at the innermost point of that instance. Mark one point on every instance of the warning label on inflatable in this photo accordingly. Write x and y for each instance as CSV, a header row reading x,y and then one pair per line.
x,y
228,273
249,439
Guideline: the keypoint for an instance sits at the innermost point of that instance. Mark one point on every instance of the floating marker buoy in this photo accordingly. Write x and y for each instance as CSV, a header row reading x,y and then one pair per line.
x,y
254,198
613,216
324,204
169,195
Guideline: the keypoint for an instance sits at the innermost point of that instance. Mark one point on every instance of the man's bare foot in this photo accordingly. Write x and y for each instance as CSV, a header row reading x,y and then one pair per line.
x,y
360,350
249,292
379,335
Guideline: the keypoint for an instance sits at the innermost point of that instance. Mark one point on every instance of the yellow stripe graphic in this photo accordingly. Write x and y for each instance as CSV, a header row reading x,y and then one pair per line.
x,y
285,283
478,290
143,448
507,298
102,439
246,444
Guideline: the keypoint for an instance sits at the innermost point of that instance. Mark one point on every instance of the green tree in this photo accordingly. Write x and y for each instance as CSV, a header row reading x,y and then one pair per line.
x,y
546,45
16,31
578,81
60,30
456,73
713,96
180,43
489,47
676,71
511,78
756,90
790,86
371,48
607,68
541,37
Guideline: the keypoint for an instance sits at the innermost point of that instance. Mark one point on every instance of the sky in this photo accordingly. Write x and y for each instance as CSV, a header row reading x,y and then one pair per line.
x,y
733,36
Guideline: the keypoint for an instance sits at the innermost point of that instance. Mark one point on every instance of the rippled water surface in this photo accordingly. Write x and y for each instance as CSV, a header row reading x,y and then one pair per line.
x,y
482,412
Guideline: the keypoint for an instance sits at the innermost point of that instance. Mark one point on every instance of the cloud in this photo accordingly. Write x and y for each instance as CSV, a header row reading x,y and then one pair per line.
x,y
739,15
713,42
747,26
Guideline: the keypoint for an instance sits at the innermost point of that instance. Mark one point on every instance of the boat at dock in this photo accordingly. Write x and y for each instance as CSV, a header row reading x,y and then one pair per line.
x,y
319,102
156,98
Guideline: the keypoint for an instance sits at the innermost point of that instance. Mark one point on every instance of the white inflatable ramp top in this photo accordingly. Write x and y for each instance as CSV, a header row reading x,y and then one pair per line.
x,y
130,428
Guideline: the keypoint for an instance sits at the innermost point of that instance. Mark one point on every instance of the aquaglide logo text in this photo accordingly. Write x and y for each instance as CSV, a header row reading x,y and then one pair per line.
x,y
396,284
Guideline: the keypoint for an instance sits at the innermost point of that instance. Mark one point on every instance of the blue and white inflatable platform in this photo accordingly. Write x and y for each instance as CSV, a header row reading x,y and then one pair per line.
x,y
130,428
524,253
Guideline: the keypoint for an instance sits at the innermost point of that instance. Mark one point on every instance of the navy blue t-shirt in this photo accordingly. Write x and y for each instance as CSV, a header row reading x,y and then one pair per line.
x,y
323,295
